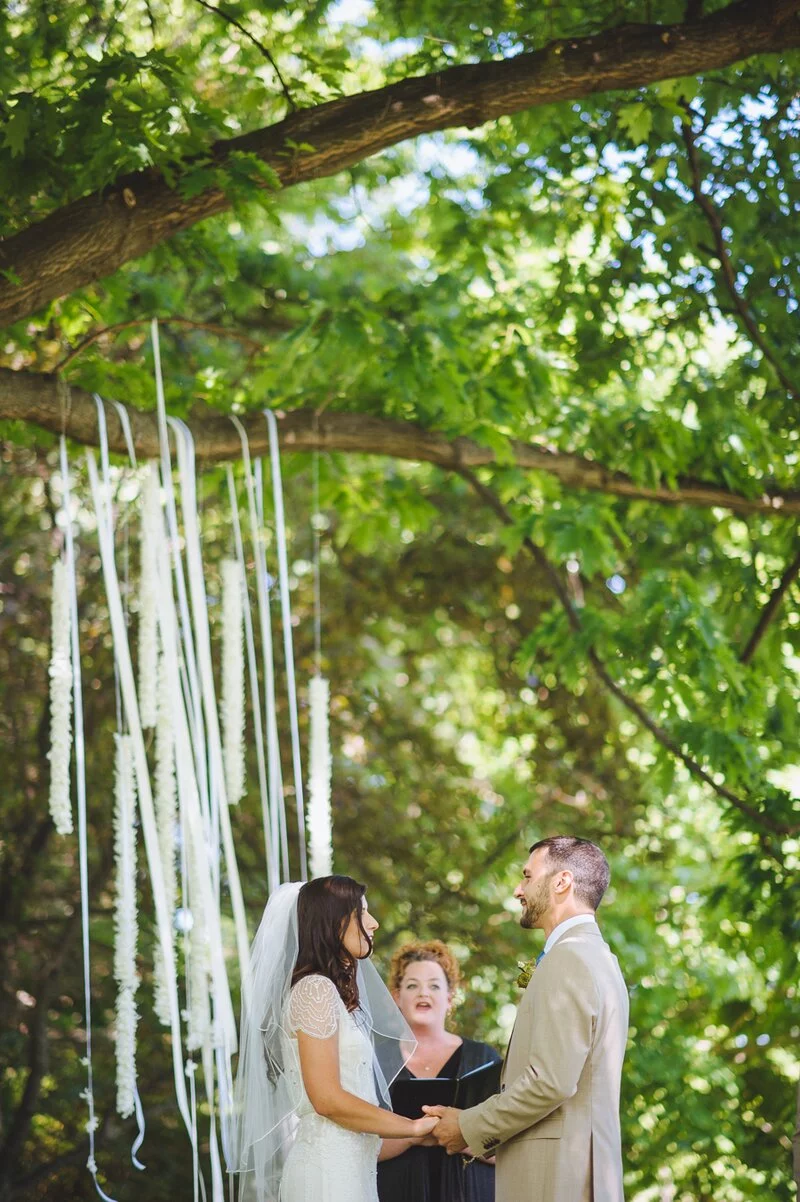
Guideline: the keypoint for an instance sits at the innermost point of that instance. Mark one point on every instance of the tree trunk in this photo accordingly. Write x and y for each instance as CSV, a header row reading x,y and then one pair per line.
x,y
93,236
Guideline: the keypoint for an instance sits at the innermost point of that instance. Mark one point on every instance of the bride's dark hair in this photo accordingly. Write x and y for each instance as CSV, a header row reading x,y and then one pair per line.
x,y
324,908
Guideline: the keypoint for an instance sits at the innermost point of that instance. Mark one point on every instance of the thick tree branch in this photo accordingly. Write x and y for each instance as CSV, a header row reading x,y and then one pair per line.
x,y
95,235
42,400
771,608
727,270
658,732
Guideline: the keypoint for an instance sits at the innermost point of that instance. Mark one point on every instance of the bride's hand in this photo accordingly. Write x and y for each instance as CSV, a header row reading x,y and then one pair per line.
x,y
424,1126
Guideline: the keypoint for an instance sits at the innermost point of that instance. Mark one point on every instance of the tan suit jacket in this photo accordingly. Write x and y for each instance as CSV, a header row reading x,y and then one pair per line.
x,y
555,1123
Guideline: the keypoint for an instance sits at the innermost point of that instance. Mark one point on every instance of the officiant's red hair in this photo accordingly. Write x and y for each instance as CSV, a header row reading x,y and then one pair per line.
x,y
324,909
421,952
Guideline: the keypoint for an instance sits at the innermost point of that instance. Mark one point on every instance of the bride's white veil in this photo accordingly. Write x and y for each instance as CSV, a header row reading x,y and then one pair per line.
x,y
259,1131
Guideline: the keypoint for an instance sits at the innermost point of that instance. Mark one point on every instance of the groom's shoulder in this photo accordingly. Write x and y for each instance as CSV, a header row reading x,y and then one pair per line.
x,y
568,957
581,949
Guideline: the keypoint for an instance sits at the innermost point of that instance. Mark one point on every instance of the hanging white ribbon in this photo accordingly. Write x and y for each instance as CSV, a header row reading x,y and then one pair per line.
x,y
199,608
255,692
197,885
198,1003
80,782
166,818
125,422
188,659
148,593
286,622
201,838
125,924
128,1095
146,810
320,828
60,672
320,835
274,774
233,690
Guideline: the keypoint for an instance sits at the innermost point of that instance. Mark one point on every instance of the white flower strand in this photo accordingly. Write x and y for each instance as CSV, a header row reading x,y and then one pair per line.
x,y
233,686
166,819
320,831
148,597
198,959
125,972
60,702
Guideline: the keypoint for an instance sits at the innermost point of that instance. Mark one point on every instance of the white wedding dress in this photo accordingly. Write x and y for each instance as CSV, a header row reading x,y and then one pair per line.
x,y
327,1163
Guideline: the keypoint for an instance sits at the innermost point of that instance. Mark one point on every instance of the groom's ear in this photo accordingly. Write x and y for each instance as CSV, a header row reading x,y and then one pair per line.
x,y
563,881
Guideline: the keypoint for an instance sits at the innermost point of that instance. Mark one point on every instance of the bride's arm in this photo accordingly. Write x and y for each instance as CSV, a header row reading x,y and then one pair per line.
x,y
390,1148
319,1064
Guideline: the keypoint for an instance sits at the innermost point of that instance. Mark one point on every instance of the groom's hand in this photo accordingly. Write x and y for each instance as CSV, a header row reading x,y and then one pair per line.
x,y
447,1131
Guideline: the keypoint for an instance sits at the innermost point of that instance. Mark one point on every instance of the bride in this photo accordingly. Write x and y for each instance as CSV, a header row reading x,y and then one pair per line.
x,y
321,1042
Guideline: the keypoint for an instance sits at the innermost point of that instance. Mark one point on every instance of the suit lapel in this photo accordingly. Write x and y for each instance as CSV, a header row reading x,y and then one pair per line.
x,y
589,930
522,1002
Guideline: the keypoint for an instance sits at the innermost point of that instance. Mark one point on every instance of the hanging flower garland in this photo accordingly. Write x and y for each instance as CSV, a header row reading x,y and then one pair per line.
x,y
320,828
148,598
319,783
125,923
199,1009
233,685
166,818
60,702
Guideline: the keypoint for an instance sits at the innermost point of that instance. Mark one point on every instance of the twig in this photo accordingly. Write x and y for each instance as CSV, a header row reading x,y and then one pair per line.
x,y
771,608
219,12
187,323
722,252
601,671
152,21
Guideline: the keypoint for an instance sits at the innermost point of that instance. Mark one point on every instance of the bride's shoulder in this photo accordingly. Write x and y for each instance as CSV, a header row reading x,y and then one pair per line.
x,y
314,984
314,1006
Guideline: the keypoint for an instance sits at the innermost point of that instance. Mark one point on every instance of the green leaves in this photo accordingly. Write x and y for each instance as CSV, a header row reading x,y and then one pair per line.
x,y
546,279
17,128
635,120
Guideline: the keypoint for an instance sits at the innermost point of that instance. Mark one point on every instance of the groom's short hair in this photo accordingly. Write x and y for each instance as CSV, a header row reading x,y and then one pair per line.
x,y
586,862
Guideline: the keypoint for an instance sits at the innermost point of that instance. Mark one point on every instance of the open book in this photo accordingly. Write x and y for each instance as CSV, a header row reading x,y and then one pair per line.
x,y
410,1095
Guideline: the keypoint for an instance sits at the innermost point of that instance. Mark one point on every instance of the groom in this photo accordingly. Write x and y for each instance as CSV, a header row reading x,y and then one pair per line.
x,y
555,1123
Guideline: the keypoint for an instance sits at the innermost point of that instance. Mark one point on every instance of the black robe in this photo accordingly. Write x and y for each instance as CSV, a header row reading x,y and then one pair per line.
x,y
429,1174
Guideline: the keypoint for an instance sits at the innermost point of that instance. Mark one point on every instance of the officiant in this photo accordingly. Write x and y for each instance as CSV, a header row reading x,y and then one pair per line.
x,y
423,979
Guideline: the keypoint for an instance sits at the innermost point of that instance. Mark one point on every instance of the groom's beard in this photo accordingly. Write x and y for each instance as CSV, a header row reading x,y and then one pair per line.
x,y
535,907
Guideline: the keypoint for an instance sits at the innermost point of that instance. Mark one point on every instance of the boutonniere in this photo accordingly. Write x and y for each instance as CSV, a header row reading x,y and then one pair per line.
x,y
526,972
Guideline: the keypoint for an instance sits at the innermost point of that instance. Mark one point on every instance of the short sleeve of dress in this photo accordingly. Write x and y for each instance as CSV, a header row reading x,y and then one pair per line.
x,y
314,1006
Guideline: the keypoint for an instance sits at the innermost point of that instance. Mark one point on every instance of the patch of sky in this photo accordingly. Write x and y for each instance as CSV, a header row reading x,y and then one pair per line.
x,y
322,235
472,198
389,52
436,153
362,210
619,162
349,12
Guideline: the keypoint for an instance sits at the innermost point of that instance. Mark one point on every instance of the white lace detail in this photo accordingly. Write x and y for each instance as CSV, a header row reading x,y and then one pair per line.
x,y
328,1163
315,1007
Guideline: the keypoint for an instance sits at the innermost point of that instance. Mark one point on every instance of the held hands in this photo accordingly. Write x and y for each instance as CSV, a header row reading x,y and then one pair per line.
x,y
448,1132
423,1128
